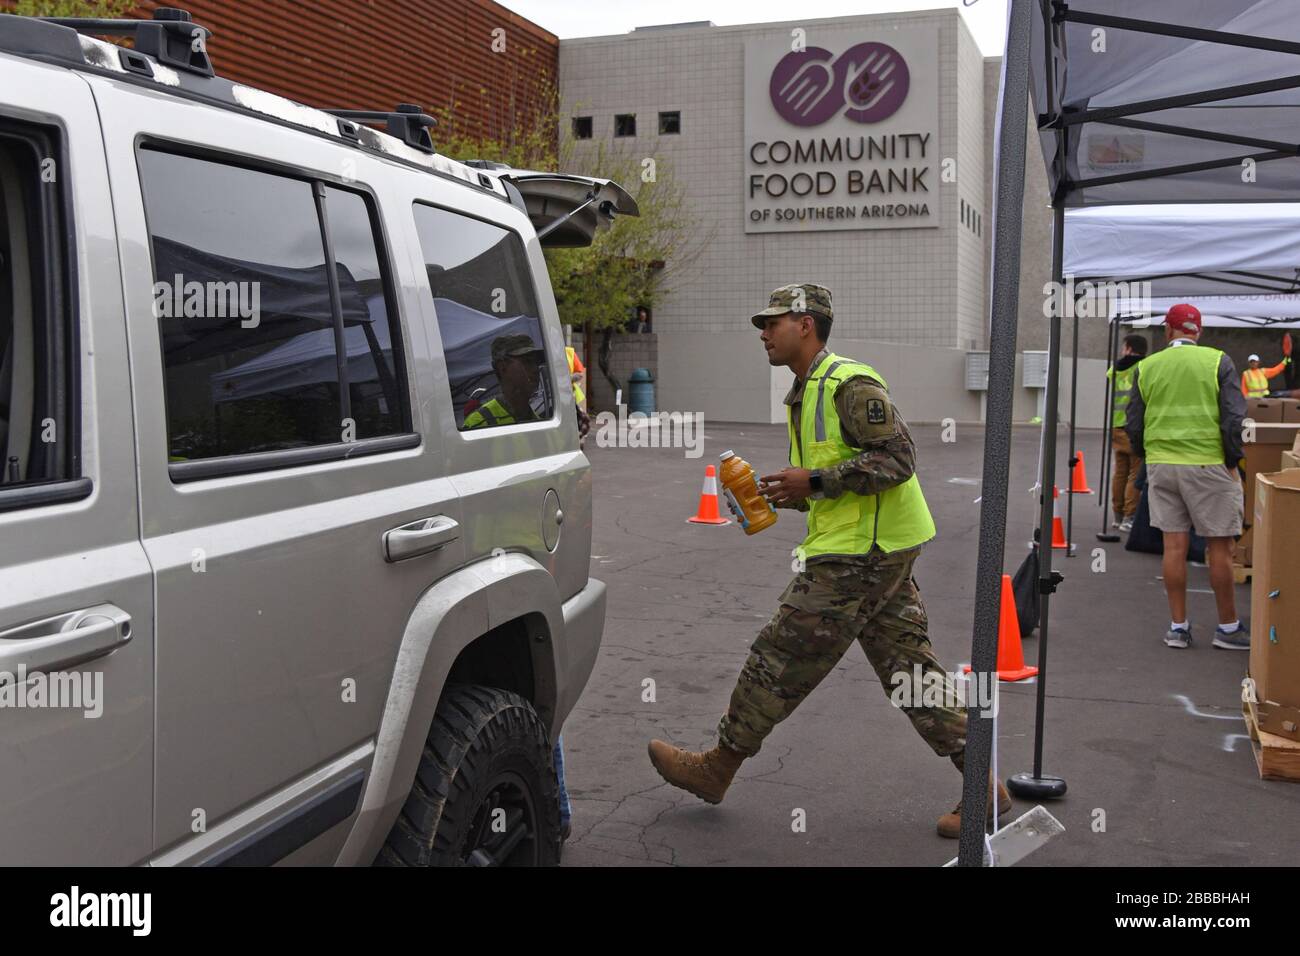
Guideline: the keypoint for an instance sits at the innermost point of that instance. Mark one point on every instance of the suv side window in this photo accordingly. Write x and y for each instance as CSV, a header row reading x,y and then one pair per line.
x,y
274,310
488,319
38,441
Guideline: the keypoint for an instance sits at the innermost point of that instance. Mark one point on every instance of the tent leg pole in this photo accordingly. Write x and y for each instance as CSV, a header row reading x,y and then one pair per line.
x,y
1035,786
1009,192
1112,342
1074,448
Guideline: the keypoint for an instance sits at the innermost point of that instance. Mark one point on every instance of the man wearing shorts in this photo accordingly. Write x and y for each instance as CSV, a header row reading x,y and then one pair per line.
x,y
1185,417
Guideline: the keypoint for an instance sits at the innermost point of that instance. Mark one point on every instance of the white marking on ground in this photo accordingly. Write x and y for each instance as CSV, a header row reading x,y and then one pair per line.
x,y
1191,709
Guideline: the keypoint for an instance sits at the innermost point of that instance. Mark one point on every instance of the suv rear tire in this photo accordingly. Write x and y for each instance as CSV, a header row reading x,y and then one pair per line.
x,y
486,766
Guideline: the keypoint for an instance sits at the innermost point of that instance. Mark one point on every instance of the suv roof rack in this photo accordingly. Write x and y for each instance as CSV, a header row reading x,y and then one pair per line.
x,y
407,122
169,37
165,58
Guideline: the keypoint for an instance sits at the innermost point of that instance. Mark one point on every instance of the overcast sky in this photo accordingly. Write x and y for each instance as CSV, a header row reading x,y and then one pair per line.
x,y
584,18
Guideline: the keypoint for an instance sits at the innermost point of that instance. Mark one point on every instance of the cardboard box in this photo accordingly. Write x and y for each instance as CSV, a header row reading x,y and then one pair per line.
x,y
1264,409
1290,460
1290,410
1275,591
1264,455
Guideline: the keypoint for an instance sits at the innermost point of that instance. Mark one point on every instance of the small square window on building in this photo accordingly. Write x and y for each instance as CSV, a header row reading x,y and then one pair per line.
x,y
582,127
670,123
625,124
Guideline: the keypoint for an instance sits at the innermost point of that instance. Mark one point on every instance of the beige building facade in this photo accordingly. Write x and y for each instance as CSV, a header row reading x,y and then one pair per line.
x,y
854,152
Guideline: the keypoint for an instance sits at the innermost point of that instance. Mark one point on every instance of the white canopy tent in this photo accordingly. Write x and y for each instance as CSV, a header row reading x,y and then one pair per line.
x,y
1246,255
1156,318
1244,310
1136,102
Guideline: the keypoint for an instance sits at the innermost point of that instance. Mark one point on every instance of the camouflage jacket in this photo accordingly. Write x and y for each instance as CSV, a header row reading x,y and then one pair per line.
x,y
888,455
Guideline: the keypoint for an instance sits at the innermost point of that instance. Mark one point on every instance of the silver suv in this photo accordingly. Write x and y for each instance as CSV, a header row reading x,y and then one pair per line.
x,y
294,524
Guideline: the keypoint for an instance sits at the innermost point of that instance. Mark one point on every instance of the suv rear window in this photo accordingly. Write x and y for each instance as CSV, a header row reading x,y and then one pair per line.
x,y
274,309
37,421
488,319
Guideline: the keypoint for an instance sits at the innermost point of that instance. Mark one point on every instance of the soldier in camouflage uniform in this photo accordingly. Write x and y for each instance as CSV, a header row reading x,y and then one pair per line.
x,y
839,597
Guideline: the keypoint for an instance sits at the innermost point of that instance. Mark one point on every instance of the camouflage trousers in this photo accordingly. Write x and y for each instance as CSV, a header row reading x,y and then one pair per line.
x,y
873,600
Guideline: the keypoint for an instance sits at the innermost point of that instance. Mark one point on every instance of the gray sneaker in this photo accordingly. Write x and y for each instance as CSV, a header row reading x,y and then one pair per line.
x,y
1182,637
1238,640
1126,525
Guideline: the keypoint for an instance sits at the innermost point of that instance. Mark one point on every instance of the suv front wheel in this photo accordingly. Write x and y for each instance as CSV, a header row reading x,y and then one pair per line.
x,y
485,793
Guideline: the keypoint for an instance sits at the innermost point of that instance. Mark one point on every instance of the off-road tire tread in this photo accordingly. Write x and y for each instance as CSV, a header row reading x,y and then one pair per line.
x,y
472,723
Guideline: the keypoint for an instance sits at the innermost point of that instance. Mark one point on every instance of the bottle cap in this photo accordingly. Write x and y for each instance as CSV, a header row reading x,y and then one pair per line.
x,y
726,454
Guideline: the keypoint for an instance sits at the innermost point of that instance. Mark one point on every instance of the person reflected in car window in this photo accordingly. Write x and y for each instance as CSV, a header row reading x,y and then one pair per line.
x,y
516,361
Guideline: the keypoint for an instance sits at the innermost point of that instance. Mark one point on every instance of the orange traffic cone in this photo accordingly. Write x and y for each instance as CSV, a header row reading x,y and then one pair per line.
x,y
1079,477
1058,524
707,513
1011,657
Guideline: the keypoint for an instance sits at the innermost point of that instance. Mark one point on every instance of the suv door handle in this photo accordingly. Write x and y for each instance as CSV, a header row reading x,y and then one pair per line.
x,y
65,640
419,537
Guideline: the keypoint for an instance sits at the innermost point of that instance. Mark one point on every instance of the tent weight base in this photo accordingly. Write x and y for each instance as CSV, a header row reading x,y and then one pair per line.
x,y
1109,538
1028,787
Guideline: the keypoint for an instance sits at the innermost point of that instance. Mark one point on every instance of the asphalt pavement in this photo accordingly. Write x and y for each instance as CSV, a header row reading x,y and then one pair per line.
x,y
1149,739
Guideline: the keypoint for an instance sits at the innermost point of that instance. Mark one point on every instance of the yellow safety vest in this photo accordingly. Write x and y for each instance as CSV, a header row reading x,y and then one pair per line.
x,y
572,356
1256,380
1123,393
1180,387
894,520
491,413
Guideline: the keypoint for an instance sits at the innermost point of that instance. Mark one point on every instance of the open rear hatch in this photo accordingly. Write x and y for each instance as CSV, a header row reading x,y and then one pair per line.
x,y
565,210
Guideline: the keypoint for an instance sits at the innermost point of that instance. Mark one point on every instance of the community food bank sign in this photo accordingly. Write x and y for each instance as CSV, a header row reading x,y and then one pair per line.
x,y
842,132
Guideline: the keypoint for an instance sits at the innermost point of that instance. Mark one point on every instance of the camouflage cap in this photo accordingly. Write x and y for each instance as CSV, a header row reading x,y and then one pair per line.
x,y
798,297
509,346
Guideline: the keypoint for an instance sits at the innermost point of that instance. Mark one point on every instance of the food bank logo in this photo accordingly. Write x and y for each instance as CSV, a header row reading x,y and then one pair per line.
x,y
810,86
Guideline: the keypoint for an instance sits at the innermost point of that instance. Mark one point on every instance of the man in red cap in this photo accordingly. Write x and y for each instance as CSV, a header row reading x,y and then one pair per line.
x,y
1185,418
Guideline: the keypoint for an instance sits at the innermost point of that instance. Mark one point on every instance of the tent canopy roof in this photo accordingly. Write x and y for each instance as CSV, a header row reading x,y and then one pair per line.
x,y
1249,254
1157,102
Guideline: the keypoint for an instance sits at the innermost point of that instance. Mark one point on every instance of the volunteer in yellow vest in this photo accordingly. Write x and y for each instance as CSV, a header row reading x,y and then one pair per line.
x,y
516,361
1185,418
1124,492
575,374
1254,380
853,470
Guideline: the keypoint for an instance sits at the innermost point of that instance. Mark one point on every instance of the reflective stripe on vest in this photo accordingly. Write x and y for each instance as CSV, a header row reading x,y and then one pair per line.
x,y
1123,394
489,413
1180,387
893,520
1256,380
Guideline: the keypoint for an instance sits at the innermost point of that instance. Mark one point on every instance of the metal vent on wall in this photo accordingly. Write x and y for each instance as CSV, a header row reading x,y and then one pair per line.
x,y
1034,370
977,371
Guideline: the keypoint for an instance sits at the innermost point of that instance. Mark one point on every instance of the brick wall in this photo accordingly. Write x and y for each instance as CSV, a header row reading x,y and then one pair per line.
x,y
367,54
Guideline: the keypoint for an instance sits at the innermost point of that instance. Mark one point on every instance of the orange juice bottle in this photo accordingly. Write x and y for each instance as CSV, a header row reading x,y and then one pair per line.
x,y
740,488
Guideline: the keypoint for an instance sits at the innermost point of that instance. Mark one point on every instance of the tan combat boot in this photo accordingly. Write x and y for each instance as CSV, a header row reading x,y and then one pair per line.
x,y
950,823
707,775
